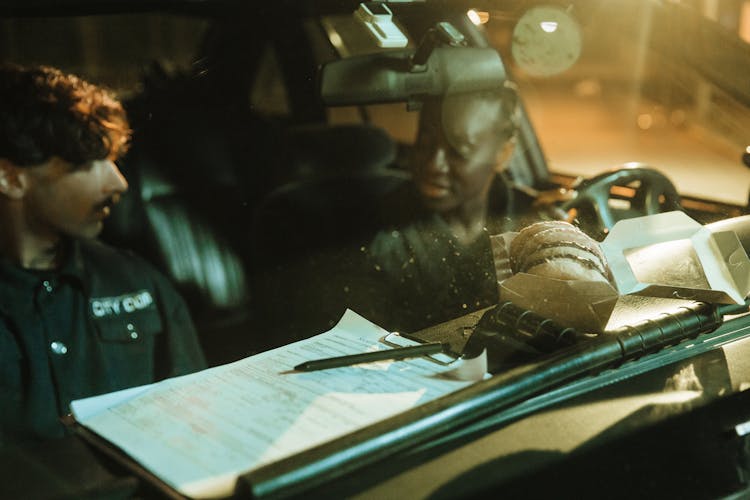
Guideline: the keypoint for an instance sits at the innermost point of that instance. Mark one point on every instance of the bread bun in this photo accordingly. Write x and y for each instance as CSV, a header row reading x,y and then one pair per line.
x,y
559,250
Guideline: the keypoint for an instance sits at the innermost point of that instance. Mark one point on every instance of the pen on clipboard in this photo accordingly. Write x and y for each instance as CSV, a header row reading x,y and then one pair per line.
x,y
354,359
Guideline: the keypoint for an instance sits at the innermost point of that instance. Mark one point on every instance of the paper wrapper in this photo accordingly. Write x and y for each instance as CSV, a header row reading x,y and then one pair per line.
x,y
584,305
671,255
665,255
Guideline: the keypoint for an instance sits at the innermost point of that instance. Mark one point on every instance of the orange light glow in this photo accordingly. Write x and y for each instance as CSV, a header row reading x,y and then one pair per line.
x,y
645,121
478,17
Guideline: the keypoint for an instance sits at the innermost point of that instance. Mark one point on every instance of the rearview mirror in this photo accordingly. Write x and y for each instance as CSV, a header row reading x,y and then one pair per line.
x,y
392,76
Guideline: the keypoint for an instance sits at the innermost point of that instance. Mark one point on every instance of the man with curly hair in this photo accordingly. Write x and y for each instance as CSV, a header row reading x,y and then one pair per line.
x,y
77,318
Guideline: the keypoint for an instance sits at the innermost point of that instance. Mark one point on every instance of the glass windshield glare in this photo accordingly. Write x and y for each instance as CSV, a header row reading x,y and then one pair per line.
x,y
229,120
553,193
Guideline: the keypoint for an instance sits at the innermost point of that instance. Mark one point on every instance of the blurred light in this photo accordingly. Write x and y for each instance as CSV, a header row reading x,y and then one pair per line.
x,y
742,429
336,40
645,121
748,150
549,26
744,28
678,117
676,397
588,87
474,17
478,17
660,118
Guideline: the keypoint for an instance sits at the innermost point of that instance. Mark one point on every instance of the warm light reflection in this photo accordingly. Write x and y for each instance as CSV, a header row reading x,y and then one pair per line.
x,y
678,117
548,26
336,40
588,87
676,397
672,263
747,149
645,121
744,28
478,17
474,17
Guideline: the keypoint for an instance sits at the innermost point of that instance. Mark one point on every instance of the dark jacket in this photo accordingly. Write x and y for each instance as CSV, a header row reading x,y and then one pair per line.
x,y
104,321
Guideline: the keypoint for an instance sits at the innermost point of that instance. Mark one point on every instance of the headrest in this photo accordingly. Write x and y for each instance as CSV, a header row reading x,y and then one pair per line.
x,y
322,150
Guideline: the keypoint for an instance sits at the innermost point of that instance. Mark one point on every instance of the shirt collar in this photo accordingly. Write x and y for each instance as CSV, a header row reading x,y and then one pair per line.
x,y
74,266
17,282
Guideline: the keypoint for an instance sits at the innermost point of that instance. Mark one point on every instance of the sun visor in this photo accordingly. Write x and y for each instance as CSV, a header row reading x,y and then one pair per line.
x,y
392,77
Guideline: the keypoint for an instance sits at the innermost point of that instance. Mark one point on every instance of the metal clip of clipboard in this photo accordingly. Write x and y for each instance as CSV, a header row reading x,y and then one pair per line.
x,y
395,340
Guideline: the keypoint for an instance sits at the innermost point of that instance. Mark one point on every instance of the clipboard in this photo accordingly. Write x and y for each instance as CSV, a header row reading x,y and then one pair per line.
x,y
147,480
354,398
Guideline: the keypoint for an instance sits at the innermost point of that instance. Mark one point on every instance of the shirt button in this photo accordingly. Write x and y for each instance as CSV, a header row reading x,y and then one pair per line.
x,y
131,329
58,348
47,285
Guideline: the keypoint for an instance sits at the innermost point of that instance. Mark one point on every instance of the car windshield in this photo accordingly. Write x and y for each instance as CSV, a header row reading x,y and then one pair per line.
x,y
606,85
633,96
286,186
295,160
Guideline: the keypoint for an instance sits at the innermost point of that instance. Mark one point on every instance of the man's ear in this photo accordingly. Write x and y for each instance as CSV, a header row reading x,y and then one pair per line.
x,y
505,153
13,181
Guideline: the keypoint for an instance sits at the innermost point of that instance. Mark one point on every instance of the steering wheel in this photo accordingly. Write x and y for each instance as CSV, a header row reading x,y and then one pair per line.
x,y
652,192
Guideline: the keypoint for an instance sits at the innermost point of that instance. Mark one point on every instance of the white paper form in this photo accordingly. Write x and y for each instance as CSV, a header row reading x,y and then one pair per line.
x,y
200,431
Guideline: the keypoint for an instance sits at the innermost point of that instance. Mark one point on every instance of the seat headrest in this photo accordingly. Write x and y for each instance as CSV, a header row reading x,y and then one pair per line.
x,y
321,150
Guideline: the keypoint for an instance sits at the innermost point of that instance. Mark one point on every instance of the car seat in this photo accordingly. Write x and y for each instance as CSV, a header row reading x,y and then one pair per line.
x,y
335,176
186,232
196,171
303,229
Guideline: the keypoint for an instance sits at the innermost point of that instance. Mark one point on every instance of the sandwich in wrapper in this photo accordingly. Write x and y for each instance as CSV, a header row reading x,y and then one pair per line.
x,y
557,271
559,250
554,272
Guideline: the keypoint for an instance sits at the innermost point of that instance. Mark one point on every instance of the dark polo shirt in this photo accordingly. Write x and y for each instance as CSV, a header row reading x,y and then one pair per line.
x,y
104,321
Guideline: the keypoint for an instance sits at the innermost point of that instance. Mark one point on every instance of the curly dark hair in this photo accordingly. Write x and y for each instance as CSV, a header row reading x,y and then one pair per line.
x,y
45,112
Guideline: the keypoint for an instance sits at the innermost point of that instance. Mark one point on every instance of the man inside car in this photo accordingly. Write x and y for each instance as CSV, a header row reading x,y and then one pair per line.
x,y
77,318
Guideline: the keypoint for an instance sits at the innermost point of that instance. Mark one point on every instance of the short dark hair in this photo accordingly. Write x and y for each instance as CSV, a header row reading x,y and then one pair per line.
x,y
45,112
503,124
507,122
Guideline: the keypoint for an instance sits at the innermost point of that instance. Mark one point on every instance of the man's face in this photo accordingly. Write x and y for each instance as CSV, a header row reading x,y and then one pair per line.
x,y
456,152
72,200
